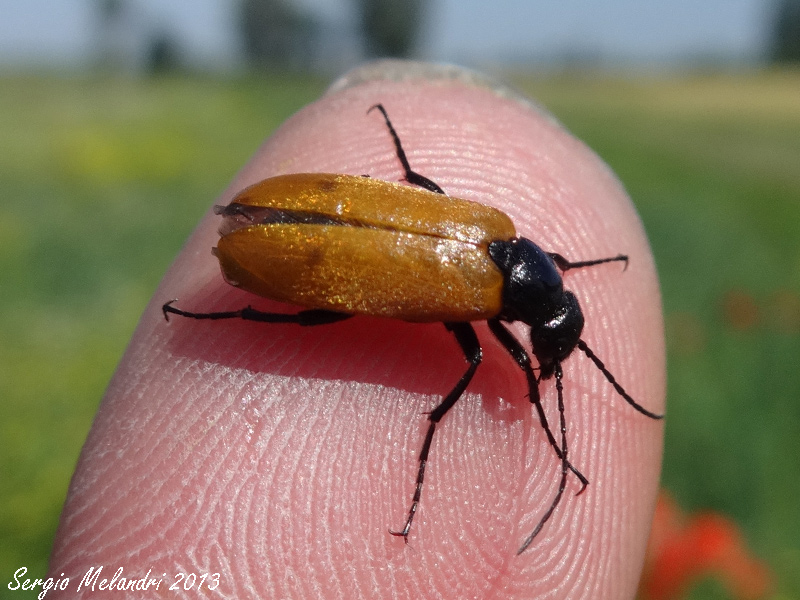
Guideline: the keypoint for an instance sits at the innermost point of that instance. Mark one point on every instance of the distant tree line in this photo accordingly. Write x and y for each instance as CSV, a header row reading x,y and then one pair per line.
x,y
276,31
390,27
786,32
279,33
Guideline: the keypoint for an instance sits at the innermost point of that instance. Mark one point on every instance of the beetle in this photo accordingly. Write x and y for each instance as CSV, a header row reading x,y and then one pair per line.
x,y
344,245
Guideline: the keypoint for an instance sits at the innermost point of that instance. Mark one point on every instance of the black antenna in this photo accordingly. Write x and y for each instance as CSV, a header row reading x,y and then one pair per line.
x,y
620,390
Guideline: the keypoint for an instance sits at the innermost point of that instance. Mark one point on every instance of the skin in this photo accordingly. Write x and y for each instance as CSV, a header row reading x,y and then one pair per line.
x,y
278,456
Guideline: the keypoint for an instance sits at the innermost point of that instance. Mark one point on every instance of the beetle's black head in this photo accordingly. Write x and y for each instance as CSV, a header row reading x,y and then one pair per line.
x,y
534,293
555,339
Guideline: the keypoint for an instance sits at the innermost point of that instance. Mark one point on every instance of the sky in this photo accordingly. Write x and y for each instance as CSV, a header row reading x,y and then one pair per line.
x,y
629,29
62,32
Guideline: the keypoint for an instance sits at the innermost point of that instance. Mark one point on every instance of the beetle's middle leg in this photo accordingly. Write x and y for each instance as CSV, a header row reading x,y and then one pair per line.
x,y
468,340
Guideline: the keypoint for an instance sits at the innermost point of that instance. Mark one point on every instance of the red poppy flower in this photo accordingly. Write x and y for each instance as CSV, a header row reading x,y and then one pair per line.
x,y
683,550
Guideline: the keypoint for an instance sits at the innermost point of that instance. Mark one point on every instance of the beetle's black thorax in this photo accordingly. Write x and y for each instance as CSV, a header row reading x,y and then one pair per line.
x,y
533,292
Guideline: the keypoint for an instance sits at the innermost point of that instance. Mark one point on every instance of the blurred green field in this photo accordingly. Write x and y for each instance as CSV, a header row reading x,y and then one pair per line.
x,y
103,178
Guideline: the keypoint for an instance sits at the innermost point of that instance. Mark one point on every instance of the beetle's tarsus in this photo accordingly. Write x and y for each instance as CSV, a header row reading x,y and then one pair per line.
x,y
167,308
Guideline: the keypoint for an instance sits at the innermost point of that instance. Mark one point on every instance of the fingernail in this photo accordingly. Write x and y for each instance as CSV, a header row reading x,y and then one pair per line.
x,y
410,70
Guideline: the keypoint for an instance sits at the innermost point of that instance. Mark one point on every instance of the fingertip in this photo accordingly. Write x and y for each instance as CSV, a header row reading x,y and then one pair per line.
x,y
267,405
481,143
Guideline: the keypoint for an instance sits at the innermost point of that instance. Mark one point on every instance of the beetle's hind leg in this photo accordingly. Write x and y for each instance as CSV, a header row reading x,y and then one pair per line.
x,y
304,317
468,340
411,176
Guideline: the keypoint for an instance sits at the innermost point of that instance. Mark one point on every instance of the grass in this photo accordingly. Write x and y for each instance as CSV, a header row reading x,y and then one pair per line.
x,y
104,178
